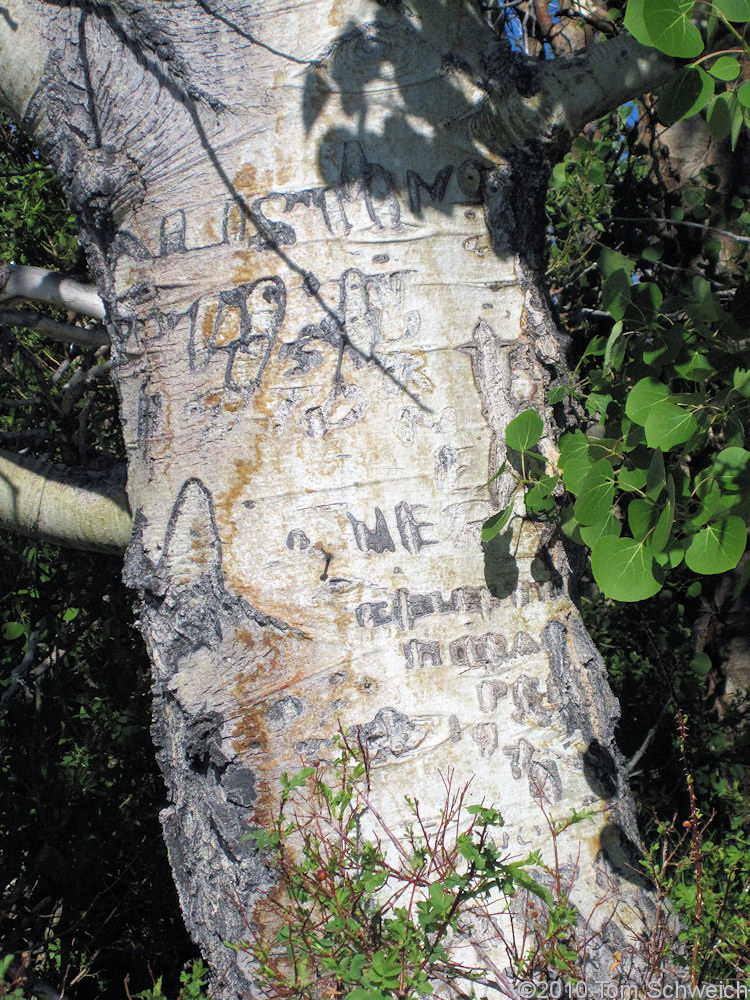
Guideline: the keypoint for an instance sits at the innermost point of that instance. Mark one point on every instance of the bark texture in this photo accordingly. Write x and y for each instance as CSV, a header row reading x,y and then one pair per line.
x,y
324,309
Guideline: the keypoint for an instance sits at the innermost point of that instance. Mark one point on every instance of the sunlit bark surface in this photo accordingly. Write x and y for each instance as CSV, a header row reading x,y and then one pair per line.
x,y
325,326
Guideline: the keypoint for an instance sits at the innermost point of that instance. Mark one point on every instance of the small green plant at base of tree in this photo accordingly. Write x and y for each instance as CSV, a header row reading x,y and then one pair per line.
x,y
193,985
704,881
12,980
372,919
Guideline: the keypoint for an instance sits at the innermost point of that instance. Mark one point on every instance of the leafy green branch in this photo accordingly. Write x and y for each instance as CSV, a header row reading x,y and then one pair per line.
x,y
670,26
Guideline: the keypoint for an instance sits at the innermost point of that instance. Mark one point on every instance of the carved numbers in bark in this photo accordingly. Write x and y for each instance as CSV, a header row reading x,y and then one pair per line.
x,y
239,326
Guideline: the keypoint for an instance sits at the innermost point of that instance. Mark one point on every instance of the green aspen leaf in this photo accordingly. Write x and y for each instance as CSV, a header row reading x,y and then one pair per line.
x,y
635,22
631,480
656,478
701,664
634,435
603,448
697,368
670,559
641,515
574,446
744,576
663,530
591,533
653,253
670,28
718,547
558,394
596,494
743,94
569,526
687,93
614,352
733,10
497,475
668,425
725,68
695,588
731,468
575,473
712,505
719,116
598,402
495,524
539,497
363,993
736,111
642,398
616,295
524,431
595,346
612,260
13,630
624,569
646,298
574,460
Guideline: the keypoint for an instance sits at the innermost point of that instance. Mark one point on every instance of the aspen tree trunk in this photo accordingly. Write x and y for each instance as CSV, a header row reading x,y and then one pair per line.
x,y
321,283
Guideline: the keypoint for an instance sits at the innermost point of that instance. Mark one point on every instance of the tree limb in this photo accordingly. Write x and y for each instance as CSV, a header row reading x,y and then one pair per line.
x,y
603,77
570,91
77,509
65,332
20,281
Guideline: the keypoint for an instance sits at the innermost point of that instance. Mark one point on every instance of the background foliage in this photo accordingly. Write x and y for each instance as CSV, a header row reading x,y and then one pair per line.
x,y
86,894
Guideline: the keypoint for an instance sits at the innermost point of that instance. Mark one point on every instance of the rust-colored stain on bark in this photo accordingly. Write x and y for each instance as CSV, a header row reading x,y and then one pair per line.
x,y
246,179
209,321
249,267
229,327
274,710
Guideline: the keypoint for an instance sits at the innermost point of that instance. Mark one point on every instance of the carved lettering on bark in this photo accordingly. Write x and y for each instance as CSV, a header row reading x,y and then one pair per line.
x,y
436,190
410,529
377,539
419,653
543,775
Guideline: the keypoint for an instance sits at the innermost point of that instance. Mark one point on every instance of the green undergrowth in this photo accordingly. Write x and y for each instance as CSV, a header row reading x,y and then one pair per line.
x,y
86,894
690,772
386,914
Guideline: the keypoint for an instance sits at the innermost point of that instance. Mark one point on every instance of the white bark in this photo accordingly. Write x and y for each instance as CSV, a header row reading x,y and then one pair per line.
x,y
21,281
22,55
79,510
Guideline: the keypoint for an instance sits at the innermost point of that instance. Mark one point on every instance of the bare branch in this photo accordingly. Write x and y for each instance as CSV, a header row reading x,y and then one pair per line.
x,y
603,77
569,92
65,332
80,510
19,281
